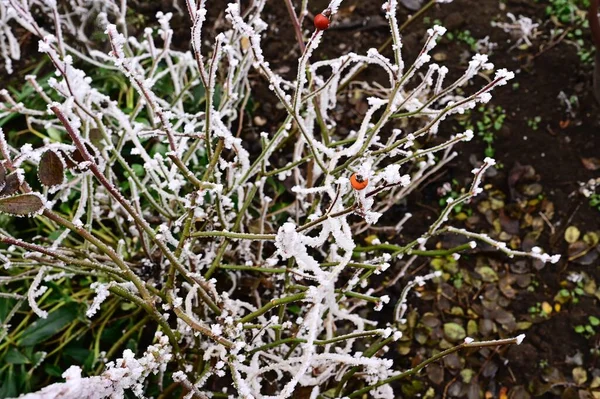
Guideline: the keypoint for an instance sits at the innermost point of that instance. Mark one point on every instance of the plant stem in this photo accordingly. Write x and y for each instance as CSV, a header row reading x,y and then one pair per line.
x,y
422,365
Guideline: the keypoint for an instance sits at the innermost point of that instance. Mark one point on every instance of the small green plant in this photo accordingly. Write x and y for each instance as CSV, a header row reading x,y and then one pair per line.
x,y
567,11
565,295
485,123
589,329
466,37
538,310
572,15
450,192
594,201
534,123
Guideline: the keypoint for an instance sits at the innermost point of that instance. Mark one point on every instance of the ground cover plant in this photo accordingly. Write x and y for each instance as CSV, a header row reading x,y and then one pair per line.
x,y
157,243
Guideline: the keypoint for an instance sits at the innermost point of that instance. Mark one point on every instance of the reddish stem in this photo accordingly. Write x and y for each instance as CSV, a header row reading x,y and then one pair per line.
x,y
296,24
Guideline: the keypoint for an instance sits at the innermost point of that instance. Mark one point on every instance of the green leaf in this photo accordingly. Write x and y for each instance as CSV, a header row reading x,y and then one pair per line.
x,y
53,370
454,332
8,389
594,321
42,329
138,169
6,305
579,329
295,309
54,134
589,329
78,353
13,356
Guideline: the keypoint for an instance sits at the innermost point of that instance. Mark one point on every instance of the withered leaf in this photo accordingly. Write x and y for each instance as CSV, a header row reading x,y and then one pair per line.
x,y
11,185
591,163
577,249
505,318
22,205
69,161
435,372
2,175
51,170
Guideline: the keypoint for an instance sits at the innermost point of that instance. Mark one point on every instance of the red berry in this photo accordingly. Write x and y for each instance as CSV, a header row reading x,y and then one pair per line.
x,y
321,22
358,182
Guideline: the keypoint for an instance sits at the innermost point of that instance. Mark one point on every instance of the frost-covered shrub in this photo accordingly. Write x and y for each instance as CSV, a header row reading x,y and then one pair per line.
x,y
204,212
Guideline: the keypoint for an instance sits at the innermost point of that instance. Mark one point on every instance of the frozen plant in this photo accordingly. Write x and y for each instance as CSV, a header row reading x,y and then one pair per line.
x,y
523,29
171,183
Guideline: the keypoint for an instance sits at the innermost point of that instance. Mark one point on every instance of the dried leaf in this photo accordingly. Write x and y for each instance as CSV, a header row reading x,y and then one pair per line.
x,y
245,43
577,249
2,175
69,161
546,307
435,372
412,5
467,375
473,392
579,375
506,319
51,170
572,234
519,392
490,369
511,226
22,205
505,286
591,163
487,274
591,238
12,184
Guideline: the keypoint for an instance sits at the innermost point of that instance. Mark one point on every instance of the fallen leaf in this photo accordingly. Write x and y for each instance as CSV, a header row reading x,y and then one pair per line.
x,y
412,5
591,163
572,234
454,332
546,307
579,375
435,372
591,238
487,274
577,249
